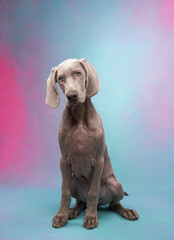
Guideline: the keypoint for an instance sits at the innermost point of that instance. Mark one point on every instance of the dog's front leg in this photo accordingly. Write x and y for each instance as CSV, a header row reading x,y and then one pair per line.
x,y
62,215
91,216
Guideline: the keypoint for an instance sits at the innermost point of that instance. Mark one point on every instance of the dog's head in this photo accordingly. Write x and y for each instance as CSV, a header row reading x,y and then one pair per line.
x,y
76,77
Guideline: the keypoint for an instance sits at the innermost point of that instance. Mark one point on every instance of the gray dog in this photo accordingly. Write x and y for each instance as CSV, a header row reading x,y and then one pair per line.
x,y
87,174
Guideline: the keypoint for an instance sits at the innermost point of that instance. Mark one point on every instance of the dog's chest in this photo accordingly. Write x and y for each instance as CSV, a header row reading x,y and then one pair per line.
x,y
81,147
81,141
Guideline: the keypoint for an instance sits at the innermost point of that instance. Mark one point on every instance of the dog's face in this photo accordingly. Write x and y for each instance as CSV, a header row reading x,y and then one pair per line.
x,y
76,77
72,79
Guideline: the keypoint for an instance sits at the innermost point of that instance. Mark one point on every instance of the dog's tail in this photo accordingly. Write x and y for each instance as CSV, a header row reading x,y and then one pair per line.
x,y
126,194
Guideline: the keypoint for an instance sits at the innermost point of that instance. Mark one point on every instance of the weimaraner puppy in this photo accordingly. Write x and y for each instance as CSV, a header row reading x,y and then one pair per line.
x,y
87,174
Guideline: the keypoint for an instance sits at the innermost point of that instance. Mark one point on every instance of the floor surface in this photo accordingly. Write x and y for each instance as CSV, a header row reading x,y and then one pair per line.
x,y
26,214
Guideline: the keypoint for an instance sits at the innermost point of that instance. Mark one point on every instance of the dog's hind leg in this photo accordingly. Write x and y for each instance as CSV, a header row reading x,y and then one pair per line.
x,y
129,214
75,211
116,192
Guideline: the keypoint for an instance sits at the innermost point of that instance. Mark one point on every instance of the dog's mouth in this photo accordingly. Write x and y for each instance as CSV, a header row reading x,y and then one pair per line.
x,y
73,102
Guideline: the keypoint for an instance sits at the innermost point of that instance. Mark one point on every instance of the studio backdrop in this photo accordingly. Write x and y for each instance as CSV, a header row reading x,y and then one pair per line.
x,y
131,46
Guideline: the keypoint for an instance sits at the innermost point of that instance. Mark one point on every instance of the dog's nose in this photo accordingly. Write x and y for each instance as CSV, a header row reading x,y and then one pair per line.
x,y
72,96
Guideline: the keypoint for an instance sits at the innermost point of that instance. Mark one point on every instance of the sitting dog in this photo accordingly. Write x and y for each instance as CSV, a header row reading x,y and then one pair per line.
x,y
87,174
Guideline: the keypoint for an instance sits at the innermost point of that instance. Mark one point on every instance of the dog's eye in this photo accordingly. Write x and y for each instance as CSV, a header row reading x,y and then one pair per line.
x,y
78,73
60,79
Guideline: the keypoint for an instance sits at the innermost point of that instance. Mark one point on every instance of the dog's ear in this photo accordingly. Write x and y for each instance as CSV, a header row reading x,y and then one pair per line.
x,y
93,85
52,97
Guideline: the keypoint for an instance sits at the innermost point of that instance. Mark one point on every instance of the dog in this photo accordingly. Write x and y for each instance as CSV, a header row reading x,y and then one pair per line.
x,y
87,173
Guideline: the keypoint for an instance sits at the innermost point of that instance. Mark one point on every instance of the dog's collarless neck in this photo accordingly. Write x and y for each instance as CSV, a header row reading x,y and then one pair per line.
x,y
79,111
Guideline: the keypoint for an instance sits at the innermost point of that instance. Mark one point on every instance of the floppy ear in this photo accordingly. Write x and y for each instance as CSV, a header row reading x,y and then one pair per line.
x,y
93,85
52,97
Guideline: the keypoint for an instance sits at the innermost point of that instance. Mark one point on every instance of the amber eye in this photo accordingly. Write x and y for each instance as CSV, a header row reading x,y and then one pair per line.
x,y
78,73
60,79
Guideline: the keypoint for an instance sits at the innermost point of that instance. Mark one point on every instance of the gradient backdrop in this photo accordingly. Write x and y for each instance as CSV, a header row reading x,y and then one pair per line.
x,y
131,46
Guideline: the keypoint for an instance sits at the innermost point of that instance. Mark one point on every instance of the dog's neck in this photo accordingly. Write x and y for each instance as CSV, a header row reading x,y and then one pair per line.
x,y
79,112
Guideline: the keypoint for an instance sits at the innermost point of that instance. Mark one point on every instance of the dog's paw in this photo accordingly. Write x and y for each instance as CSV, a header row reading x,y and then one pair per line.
x,y
59,221
129,214
73,213
90,222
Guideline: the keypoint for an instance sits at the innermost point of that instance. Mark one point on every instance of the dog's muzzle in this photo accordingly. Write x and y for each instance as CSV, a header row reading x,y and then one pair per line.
x,y
72,96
